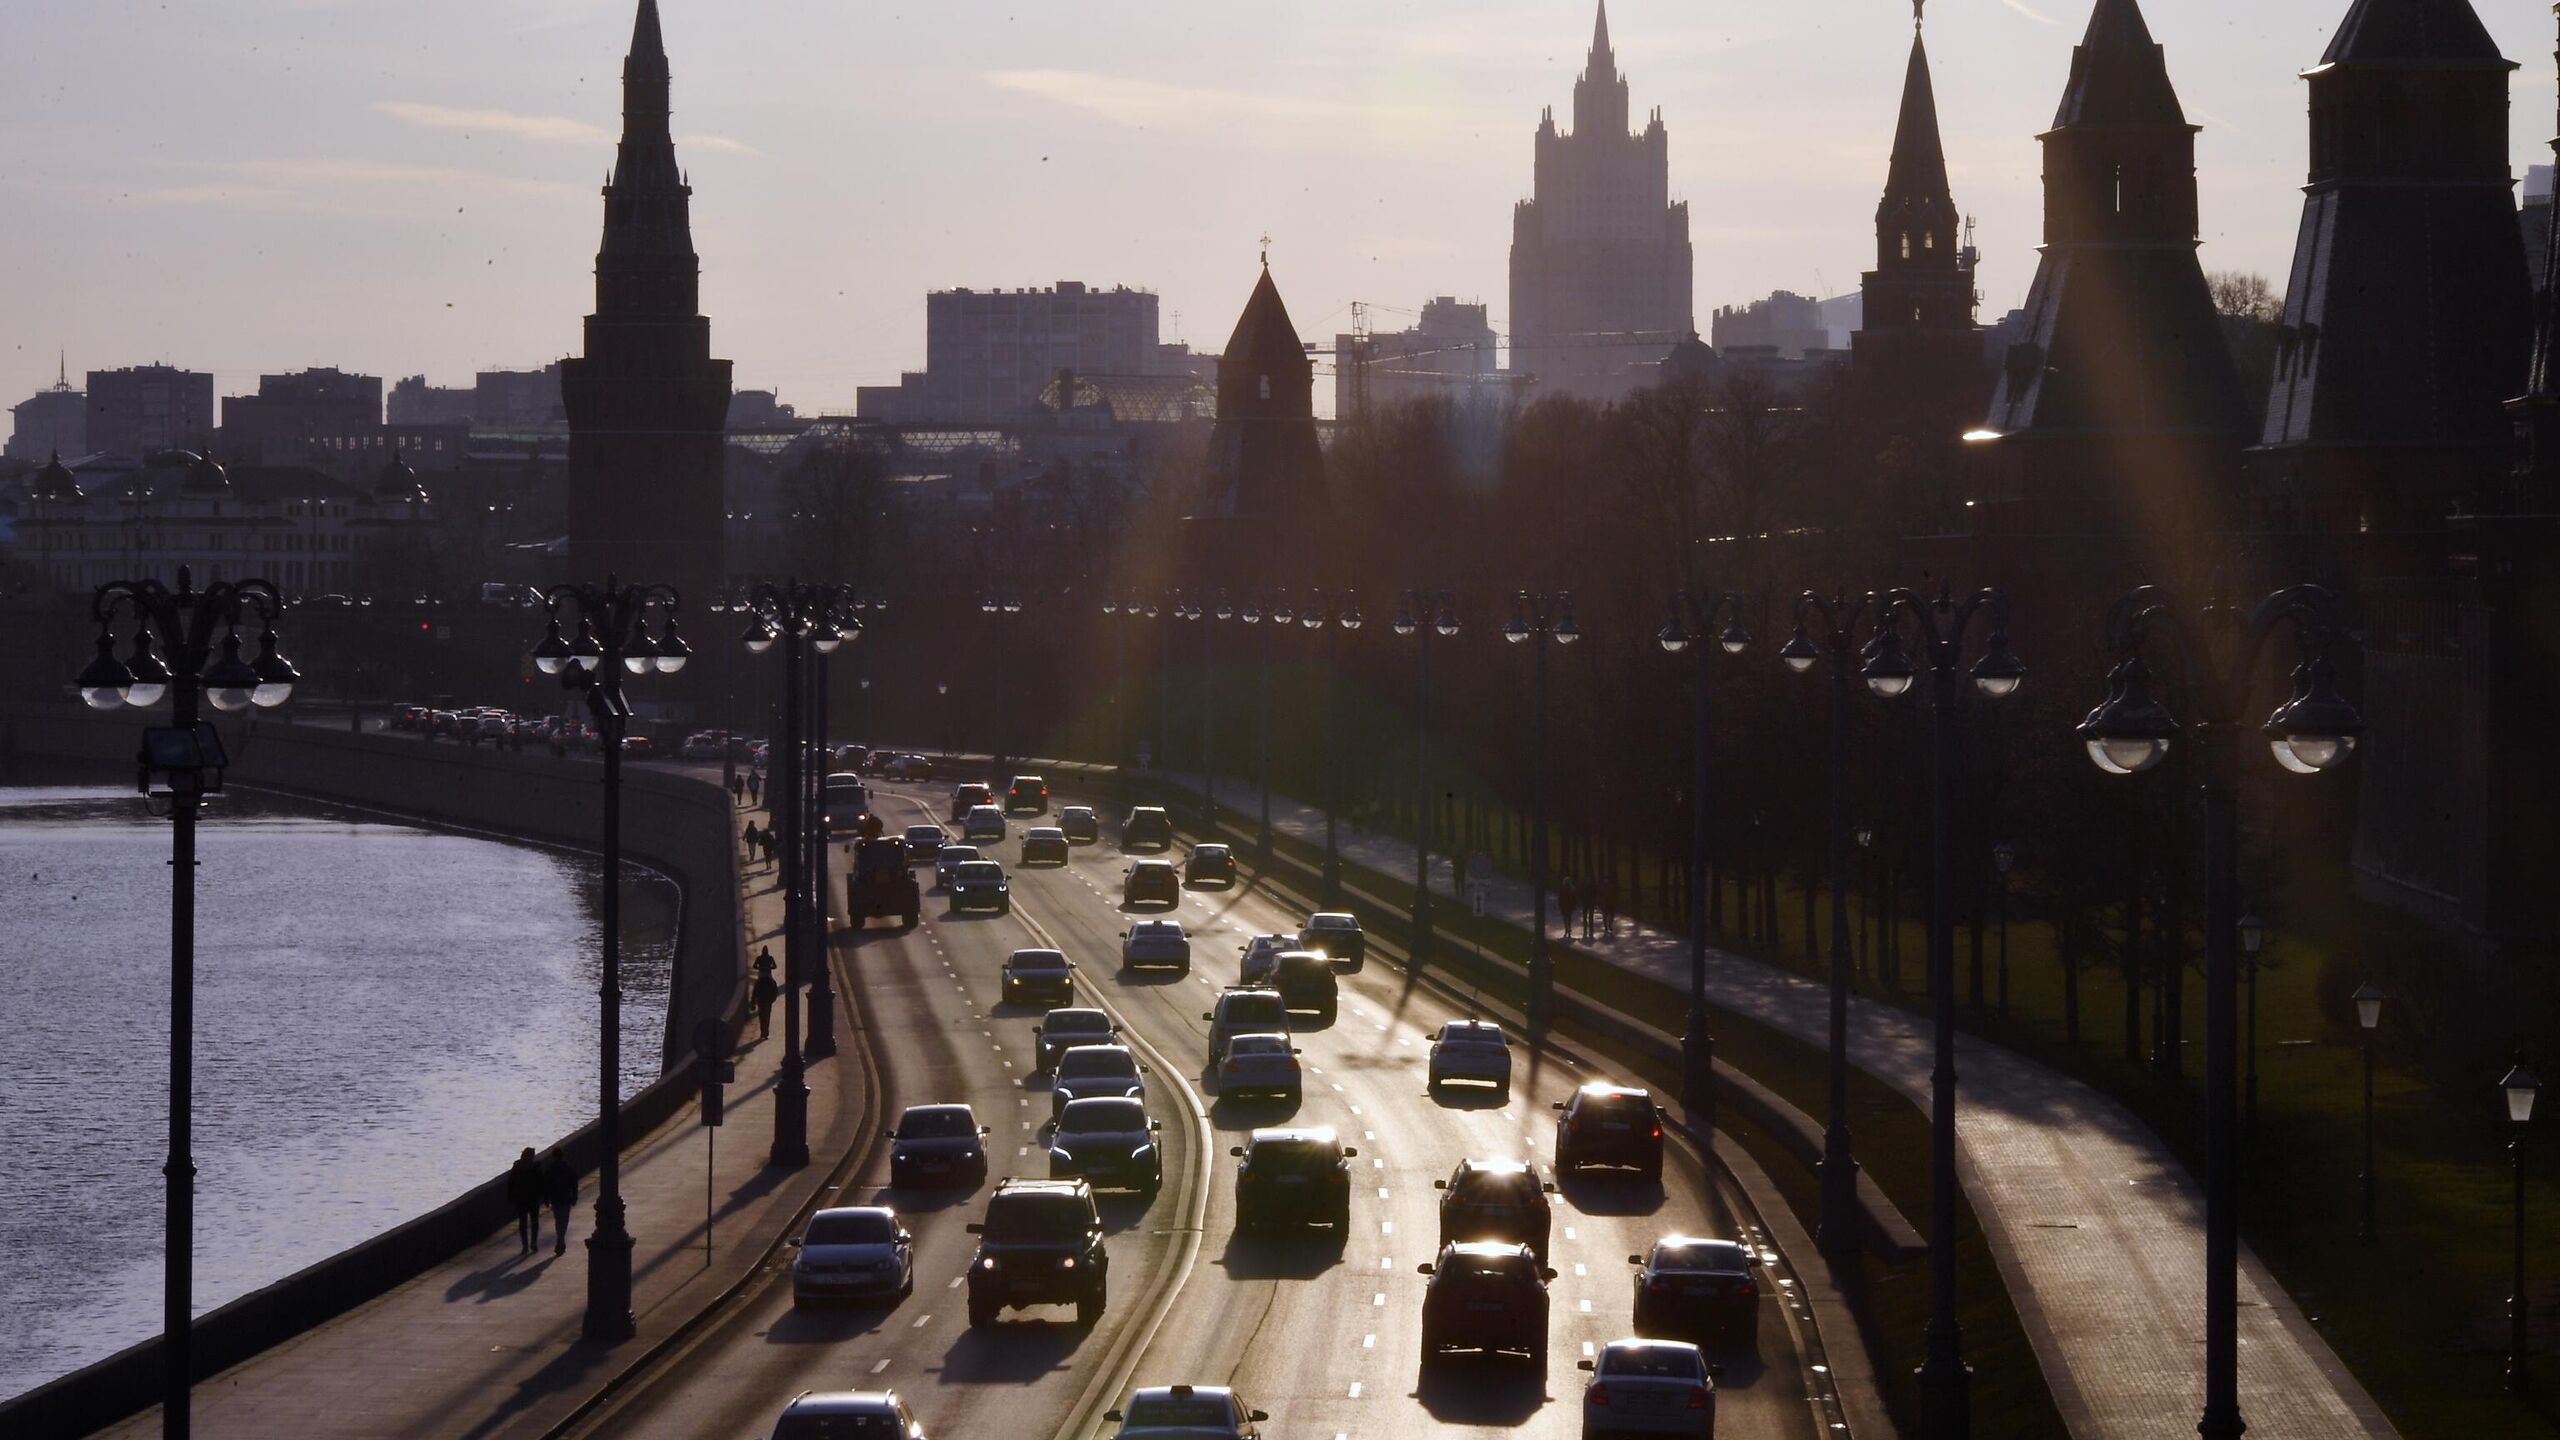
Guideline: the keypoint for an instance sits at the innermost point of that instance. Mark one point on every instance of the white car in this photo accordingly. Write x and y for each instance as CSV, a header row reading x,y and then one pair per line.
x,y
1260,1064
1087,1071
948,860
1187,1412
1649,1387
1470,1050
854,1252
1261,953
1155,942
827,1414
983,822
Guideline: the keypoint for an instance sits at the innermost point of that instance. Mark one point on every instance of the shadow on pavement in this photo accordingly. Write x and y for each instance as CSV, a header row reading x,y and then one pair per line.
x,y
497,1282
1461,1096
1480,1390
573,1369
1611,1192
1245,1113
829,1325
1296,1254
1011,1351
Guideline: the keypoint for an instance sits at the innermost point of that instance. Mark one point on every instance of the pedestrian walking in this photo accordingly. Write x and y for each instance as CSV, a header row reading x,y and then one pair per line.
x,y
755,787
1609,906
737,789
524,1196
767,839
766,992
560,1187
752,834
1564,903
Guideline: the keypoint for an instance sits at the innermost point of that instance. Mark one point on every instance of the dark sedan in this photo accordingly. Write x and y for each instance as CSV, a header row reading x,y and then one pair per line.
x,y
1486,1296
937,1145
1690,1288
1106,1141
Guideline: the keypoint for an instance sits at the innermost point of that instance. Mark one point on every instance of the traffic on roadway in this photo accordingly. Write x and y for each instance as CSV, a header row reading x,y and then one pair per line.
x,y
1117,1195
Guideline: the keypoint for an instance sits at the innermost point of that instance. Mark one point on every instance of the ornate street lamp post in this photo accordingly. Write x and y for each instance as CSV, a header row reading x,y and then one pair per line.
x,y
1827,627
2253,938
1540,618
172,656
612,640
2003,856
1002,612
832,628
1333,612
1692,620
2218,649
1281,615
2519,1086
2368,998
1423,613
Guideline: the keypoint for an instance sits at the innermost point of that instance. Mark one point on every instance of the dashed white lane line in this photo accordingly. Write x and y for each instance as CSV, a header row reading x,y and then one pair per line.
x,y
1386,1227
1587,1348
956,1282
1386,1262
921,1321
1382,1192
1569,1235
1369,1341
1378,1299
1584,1307
883,1365
1579,1272
1355,1389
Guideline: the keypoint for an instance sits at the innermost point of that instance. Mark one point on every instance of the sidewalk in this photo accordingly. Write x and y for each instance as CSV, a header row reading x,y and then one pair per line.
x,y
2098,1231
487,1344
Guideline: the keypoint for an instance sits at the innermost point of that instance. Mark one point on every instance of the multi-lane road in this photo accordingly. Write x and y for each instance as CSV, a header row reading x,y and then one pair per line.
x,y
1322,1332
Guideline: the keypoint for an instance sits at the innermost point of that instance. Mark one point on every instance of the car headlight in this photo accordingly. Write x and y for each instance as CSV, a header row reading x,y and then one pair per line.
x,y
989,1263
1146,1149
899,1157
1067,1264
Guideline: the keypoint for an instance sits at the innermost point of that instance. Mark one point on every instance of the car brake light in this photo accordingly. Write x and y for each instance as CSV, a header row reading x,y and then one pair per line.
x,y
1293,1065
1657,1132
1748,1290
1231,1067
1657,1284
1599,1395
1698,1398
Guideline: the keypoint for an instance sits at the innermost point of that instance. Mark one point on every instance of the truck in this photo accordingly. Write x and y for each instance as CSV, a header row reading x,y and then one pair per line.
x,y
880,883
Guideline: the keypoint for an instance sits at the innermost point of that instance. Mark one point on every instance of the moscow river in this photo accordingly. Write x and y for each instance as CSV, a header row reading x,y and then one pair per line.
x,y
385,1014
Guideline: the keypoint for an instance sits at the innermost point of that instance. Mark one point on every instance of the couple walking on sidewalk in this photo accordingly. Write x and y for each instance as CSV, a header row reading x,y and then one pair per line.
x,y
531,1184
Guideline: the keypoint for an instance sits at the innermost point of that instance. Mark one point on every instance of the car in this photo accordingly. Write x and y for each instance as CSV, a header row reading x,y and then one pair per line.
x,y
980,885
406,717
982,822
1187,1412
1607,1124
702,745
1147,828
843,802
1260,1063
937,1144
1066,1027
1304,979
836,1414
850,756
1261,952
948,860
1690,1288
494,727
1300,1175
968,796
1486,1295
1040,1244
1045,845
638,747
908,767
1036,977
924,842
1085,1072
1079,822
1243,1011
442,723
1470,1050
1648,1387
1149,943
853,1252
1028,794
1152,880
1338,934
1496,1200
1209,863
1106,1141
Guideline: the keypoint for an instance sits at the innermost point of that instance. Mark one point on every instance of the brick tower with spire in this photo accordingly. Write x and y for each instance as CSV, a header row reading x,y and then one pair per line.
x,y
1263,486
646,402
2118,413
2408,315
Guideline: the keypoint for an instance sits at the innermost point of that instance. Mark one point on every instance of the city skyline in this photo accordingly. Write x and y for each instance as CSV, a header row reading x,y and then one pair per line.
x,y
423,182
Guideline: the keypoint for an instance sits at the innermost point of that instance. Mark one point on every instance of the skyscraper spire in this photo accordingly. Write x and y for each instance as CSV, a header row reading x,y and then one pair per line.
x,y
1604,61
1919,159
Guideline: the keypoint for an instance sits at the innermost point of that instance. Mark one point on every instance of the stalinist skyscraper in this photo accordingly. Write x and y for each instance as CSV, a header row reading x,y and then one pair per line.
x,y
1600,262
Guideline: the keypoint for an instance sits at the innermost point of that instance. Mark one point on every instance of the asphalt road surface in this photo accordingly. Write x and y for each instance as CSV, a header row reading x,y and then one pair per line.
x,y
1322,1332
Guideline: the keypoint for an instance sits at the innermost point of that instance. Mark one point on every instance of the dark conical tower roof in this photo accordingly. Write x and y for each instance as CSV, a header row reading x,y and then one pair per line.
x,y
2118,73
1264,337
1919,159
2399,32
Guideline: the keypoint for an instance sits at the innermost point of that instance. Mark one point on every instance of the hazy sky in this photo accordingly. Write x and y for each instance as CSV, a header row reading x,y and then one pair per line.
x,y
395,186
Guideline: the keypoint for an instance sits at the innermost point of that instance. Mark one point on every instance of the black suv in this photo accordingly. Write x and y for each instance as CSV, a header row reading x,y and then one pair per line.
x,y
1079,823
1147,828
1027,793
1305,981
1609,1125
1338,934
1208,863
1486,1296
1692,1289
1297,1176
1041,1244
1496,1200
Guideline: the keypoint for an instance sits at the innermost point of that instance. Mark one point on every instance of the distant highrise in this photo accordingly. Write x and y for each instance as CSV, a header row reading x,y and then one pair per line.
x,y
1600,259
646,402
279,424
1449,354
146,409
54,420
988,354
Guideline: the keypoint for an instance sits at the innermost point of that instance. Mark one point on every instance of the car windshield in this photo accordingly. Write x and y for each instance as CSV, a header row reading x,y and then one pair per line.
x,y
980,870
1030,960
936,1124
1180,1412
1668,1362
1702,1255
1616,1107
1036,1217
1332,922
1101,1117
853,1227
1076,812
1045,832
1497,1186
1508,1268
1258,1045
1156,930
1209,852
870,1425
925,834
1092,1062
1472,1037
1291,1156
1075,1022
954,854
1258,1010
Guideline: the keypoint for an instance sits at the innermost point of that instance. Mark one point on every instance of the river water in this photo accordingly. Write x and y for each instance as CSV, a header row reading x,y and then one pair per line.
x,y
384,1015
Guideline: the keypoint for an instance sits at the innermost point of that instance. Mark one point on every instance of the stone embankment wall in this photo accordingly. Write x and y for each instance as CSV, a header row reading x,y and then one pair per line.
x,y
674,823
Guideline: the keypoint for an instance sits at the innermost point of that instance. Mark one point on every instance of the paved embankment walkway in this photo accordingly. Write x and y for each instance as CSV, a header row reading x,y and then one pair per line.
x,y
2098,1230
487,1344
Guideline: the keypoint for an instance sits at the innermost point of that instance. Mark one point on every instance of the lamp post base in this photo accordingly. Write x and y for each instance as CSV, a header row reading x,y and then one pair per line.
x,y
1946,1400
2221,1424
608,1318
1697,1074
1839,1230
821,1041
790,1122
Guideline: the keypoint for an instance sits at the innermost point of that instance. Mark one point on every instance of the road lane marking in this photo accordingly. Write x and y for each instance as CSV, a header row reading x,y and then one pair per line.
x,y
883,1365
1369,1341
1355,1389
920,1322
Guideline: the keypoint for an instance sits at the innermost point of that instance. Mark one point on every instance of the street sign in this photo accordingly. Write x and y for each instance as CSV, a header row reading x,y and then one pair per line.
x,y
1480,869
1477,892
1146,753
